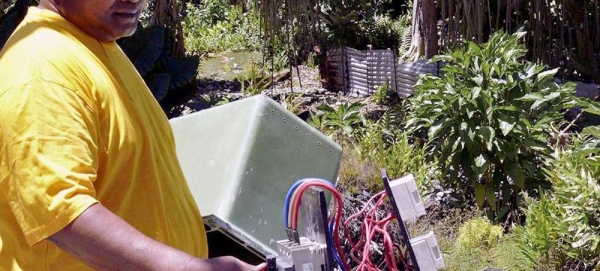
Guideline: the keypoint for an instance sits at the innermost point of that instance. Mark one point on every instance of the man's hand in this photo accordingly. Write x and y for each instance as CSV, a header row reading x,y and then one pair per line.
x,y
104,241
229,263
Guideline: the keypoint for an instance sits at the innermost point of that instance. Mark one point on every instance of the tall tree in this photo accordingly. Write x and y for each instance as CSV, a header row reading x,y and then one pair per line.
x,y
425,33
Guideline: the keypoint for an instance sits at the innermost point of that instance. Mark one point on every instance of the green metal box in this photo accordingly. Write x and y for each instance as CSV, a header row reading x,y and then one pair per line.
x,y
241,158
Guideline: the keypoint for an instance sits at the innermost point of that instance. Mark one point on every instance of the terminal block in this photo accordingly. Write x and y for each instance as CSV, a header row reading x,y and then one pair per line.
x,y
427,252
407,206
408,200
304,256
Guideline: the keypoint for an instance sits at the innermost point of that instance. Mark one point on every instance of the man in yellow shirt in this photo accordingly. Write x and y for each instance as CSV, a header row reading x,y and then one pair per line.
x,y
88,171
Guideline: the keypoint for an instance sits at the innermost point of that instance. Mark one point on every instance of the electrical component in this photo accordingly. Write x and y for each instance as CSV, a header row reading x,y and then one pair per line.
x,y
319,227
304,256
427,252
276,264
408,200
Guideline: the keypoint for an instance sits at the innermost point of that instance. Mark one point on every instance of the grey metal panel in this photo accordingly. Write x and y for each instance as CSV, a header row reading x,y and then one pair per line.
x,y
378,67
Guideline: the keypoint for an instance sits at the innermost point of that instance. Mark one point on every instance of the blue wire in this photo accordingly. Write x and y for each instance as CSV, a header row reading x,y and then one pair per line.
x,y
290,192
334,251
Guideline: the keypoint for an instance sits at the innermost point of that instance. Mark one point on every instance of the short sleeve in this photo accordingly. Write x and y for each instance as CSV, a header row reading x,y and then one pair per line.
x,y
49,156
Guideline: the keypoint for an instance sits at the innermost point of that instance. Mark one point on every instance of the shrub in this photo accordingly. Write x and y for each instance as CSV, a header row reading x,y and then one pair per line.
x,y
343,122
392,149
478,233
372,145
361,23
488,118
564,224
218,27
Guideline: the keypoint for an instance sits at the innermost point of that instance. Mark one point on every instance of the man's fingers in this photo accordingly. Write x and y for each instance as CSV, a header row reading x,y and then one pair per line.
x,y
261,267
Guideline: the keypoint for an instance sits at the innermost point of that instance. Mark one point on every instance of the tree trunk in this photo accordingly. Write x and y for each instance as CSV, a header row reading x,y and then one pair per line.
x,y
416,45
430,28
424,29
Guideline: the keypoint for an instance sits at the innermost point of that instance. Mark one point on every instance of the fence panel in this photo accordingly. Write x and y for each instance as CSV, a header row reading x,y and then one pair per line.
x,y
360,73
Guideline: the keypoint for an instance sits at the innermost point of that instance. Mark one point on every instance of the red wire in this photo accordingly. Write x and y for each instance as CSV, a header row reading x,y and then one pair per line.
x,y
338,197
371,229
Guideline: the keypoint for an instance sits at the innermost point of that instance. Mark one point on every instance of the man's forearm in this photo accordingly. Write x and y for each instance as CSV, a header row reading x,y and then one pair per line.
x,y
106,242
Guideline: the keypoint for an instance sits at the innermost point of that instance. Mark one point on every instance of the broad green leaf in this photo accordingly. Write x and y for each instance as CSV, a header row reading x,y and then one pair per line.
x,y
549,73
545,99
486,69
506,124
531,97
511,108
480,161
531,71
592,108
474,47
591,130
497,68
435,128
488,134
490,196
503,211
475,93
479,194
457,142
478,79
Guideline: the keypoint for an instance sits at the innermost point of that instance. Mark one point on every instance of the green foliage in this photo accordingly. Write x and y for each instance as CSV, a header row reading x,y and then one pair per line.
x,y
360,23
343,122
291,102
381,31
564,223
218,27
381,93
216,101
479,233
357,174
446,222
150,53
488,118
253,80
387,146
372,145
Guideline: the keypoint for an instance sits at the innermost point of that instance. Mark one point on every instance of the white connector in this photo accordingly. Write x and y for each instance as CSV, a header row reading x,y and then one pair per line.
x,y
306,256
408,200
427,252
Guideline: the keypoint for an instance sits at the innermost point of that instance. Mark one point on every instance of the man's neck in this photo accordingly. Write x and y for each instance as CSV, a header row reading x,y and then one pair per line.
x,y
48,5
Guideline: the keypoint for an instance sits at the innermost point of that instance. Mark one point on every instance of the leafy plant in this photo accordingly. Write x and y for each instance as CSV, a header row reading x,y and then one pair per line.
x,y
150,53
478,233
343,122
564,223
216,26
360,23
381,93
217,100
394,151
291,102
253,81
488,118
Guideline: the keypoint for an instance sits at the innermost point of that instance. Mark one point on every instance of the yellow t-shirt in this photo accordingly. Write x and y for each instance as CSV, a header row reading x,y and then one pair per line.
x,y
79,126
